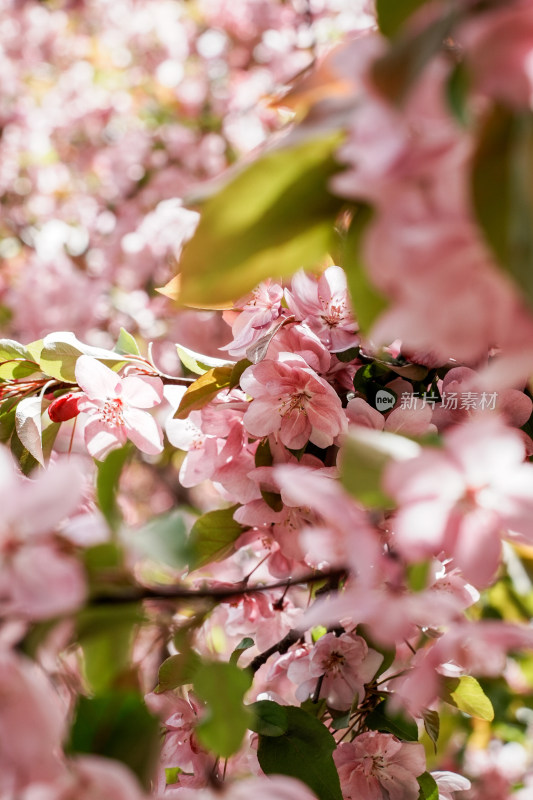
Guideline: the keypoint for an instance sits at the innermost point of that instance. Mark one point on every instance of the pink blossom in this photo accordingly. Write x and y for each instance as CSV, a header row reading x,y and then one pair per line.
x,y
448,783
88,778
291,398
459,499
377,766
32,725
258,312
115,409
39,579
346,664
324,305
261,788
407,421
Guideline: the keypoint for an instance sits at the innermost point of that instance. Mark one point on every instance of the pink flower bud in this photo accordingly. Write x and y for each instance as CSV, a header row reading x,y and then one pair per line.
x,y
64,408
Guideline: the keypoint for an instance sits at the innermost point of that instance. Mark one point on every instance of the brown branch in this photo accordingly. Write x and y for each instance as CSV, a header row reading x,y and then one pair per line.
x,y
215,593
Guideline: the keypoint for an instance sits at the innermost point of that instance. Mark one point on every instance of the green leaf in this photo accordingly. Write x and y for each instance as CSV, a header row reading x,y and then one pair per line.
x,y
212,537
177,671
126,344
117,725
366,300
364,456
9,348
399,724
467,695
107,483
432,725
60,352
16,369
105,634
392,14
163,539
276,215
418,575
502,188
237,371
428,787
7,421
457,92
203,390
198,363
270,719
23,457
304,751
222,687
243,645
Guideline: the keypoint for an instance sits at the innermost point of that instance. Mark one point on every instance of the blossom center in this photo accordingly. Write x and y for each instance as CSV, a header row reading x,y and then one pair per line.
x,y
334,314
112,412
295,402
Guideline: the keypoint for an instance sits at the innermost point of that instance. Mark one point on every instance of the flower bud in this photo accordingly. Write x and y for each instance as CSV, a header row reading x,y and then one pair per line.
x,y
64,408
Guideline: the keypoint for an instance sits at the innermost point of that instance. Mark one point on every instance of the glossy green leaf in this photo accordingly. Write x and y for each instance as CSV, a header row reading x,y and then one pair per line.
x,y
502,190
399,724
107,484
15,369
392,14
428,787
466,694
241,648
367,302
274,217
304,751
117,725
270,719
212,537
177,671
163,539
222,687
203,390
9,348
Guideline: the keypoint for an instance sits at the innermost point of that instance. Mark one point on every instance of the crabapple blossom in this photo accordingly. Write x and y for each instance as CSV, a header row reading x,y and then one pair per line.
x,y
39,578
257,313
89,778
448,783
460,499
32,725
346,664
323,304
115,408
260,788
290,399
377,766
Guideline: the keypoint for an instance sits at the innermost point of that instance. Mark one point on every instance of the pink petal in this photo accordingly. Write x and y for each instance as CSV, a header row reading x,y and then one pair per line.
x,y
142,391
101,439
144,431
97,381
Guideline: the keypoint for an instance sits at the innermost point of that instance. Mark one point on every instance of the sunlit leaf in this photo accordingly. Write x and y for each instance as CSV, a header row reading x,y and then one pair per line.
x,y
203,390
198,363
466,694
428,787
275,217
177,671
107,482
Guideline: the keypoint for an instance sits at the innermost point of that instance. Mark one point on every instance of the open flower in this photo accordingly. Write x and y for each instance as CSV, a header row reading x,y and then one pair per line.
x,y
115,406
377,766
291,398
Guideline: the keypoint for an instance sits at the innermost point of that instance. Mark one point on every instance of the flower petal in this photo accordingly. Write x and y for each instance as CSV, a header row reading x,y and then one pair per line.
x,y
97,381
142,391
143,430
